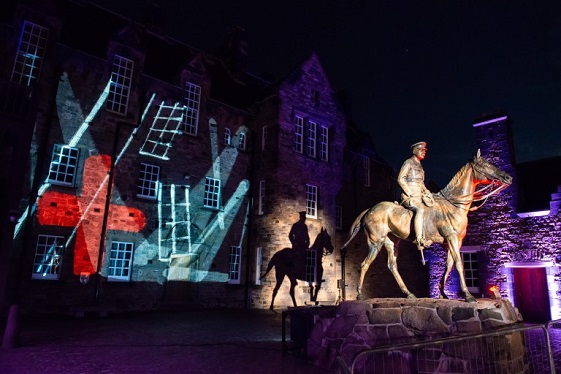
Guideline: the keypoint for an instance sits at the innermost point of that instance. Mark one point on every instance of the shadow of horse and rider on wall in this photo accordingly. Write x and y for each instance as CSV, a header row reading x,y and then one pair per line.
x,y
301,261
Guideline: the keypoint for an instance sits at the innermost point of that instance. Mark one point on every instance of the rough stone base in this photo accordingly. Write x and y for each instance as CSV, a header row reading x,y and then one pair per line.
x,y
354,326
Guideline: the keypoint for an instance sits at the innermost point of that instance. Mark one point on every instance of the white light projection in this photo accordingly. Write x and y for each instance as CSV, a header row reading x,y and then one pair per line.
x,y
212,236
164,128
67,122
214,232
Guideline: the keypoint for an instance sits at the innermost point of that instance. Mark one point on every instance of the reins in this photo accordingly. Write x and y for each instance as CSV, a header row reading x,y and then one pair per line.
x,y
476,196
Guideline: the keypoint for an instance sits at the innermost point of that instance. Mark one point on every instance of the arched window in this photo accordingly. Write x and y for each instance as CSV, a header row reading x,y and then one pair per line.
x,y
242,141
227,136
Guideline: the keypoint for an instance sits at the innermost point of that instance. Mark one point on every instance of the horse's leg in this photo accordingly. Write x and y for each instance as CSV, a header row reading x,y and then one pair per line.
x,y
454,248
293,284
444,279
279,277
392,265
373,252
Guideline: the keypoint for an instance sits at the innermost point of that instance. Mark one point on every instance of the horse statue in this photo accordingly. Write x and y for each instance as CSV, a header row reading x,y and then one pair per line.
x,y
293,263
387,223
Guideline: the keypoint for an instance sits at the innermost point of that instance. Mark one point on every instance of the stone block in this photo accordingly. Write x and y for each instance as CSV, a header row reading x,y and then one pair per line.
x,y
460,314
468,327
424,320
341,326
353,307
384,316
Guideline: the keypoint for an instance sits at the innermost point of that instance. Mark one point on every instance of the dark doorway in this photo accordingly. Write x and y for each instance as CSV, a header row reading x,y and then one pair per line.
x,y
531,294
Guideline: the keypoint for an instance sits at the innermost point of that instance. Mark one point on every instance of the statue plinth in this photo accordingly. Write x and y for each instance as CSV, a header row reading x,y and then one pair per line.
x,y
354,326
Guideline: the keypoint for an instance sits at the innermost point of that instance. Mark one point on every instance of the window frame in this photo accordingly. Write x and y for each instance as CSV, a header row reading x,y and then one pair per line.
x,y
261,198
227,136
471,267
311,139
311,266
339,217
235,264
366,171
120,263
63,159
311,201
324,143
121,85
299,134
211,198
32,37
258,265
242,141
146,184
192,108
45,243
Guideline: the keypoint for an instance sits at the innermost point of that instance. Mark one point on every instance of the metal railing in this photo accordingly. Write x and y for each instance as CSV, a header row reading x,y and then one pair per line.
x,y
513,349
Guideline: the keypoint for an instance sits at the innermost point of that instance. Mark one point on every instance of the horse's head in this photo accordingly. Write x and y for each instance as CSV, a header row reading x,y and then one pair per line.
x,y
323,242
487,173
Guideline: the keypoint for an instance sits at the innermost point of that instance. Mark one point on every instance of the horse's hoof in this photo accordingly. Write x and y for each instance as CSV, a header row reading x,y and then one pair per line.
x,y
360,297
411,296
470,299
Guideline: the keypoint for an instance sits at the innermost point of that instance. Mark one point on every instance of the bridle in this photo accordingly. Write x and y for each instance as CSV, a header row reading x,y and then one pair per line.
x,y
482,194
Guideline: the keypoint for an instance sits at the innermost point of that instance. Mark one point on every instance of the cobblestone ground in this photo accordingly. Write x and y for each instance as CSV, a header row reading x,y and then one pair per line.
x,y
209,341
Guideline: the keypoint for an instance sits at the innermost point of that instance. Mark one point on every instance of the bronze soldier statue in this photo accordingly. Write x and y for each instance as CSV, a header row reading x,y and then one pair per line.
x,y
415,195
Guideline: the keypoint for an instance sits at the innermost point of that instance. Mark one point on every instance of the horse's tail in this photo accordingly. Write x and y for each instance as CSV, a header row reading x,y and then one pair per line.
x,y
271,264
355,228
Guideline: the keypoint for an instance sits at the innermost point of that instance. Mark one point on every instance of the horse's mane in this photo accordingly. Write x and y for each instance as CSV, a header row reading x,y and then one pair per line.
x,y
454,181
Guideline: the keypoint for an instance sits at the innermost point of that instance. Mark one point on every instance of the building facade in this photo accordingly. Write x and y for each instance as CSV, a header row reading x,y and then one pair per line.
x,y
148,174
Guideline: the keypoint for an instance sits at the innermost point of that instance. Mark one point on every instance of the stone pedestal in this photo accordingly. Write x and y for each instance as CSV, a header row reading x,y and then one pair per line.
x,y
353,326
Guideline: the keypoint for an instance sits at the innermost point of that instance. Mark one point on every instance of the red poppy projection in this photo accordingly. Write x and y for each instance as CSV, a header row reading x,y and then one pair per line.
x,y
85,213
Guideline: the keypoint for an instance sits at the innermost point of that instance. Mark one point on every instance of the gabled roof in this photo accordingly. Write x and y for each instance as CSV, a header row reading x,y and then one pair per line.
x,y
537,180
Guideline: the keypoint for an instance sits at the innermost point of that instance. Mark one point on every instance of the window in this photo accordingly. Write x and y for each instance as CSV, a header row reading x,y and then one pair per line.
x,y
339,217
311,201
64,164
324,144
299,135
192,104
471,271
242,141
258,264
148,178
235,265
311,266
227,136
31,51
261,198
265,139
121,79
212,193
48,257
312,138
120,261
366,171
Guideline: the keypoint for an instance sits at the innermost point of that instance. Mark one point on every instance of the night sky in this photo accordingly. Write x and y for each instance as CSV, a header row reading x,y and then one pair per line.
x,y
415,70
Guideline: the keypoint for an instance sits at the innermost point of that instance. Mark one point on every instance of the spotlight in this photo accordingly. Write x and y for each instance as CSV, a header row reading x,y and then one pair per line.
x,y
494,292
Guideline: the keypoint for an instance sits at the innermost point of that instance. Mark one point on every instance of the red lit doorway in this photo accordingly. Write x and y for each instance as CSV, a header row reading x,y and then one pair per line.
x,y
531,295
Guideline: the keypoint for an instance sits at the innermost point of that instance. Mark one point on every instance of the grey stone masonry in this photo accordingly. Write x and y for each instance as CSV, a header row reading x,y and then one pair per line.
x,y
354,326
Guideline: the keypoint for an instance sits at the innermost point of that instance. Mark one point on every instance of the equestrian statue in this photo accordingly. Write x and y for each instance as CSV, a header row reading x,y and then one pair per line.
x,y
443,217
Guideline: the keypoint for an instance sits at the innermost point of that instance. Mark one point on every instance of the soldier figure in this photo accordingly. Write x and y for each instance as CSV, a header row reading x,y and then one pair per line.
x,y
415,195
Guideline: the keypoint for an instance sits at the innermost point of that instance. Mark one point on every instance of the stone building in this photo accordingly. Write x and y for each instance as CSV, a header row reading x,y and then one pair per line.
x,y
148,174
513,240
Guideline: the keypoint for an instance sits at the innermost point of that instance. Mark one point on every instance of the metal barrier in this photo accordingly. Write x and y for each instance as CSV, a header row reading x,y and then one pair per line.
x,y
554,332
513,349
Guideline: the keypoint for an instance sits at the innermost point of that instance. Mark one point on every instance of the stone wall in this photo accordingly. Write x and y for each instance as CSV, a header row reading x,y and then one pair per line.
x,y
354,326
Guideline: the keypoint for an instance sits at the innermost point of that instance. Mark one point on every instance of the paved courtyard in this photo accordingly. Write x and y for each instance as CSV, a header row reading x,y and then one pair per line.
x,y
204,341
